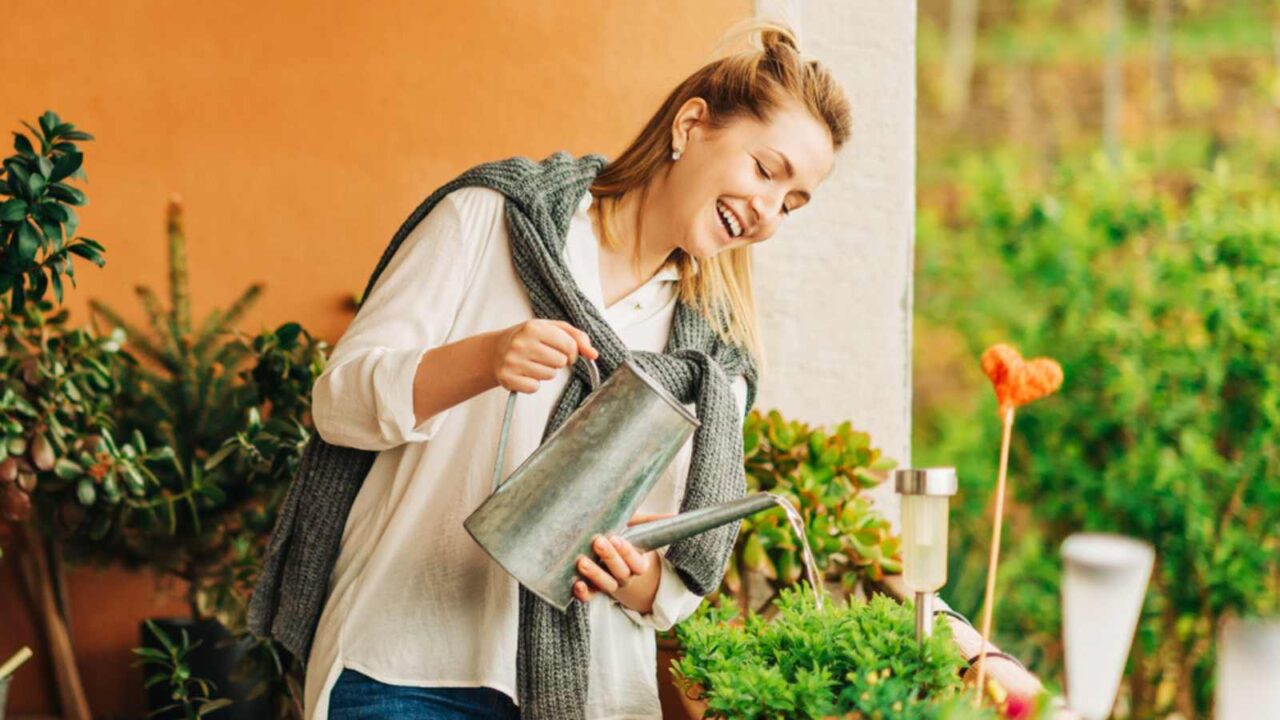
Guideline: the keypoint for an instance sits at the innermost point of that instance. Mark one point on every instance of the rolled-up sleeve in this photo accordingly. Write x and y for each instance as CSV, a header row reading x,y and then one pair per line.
x,y
674,600
364,398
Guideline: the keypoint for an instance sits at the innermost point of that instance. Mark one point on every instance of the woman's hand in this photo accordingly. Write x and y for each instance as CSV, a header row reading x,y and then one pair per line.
x,y
528,353
622,572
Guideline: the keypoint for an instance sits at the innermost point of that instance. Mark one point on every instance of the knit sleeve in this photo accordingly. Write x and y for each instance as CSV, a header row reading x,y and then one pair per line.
x,y
364,398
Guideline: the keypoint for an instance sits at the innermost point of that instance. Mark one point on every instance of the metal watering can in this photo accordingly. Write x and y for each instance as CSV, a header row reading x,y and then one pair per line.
x,y
588,479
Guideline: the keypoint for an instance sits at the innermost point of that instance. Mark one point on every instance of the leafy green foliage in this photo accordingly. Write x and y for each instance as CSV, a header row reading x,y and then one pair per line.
x,y
1161,302
860,657
38,221
235,412
58,449
823,472
190,694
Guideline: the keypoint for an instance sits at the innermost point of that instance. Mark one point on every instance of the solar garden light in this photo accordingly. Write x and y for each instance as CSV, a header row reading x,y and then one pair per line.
x,y
926,494
1103,587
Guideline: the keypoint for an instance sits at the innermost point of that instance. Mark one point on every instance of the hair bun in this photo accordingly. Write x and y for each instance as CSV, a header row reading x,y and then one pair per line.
x,y
775,36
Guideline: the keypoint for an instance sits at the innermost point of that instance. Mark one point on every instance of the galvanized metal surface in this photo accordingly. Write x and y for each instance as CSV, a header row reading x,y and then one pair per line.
x,y
588,478
926,481
660,533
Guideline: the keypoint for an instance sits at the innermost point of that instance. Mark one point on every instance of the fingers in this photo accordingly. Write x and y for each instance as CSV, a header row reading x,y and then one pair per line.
x,y
549,356
619,561
637,562
596,575
533,351
612,559
559,335
581,340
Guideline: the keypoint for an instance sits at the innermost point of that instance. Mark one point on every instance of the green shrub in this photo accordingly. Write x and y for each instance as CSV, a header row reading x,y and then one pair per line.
x,y
1163,306
854,657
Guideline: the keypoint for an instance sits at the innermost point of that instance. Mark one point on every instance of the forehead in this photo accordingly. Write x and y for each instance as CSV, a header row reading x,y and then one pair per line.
x,y
794,131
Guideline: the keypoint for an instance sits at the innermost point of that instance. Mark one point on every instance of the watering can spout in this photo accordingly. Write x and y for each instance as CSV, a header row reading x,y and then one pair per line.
x,y
660,533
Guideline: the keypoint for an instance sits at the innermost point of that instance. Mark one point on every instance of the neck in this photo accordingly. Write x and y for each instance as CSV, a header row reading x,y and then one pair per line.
x,y
641,252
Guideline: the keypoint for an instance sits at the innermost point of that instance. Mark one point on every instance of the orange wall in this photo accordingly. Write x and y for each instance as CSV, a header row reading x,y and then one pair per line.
x,y
299,135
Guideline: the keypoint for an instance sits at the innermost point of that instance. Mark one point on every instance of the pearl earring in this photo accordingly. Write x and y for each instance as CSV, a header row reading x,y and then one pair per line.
x,y
675,154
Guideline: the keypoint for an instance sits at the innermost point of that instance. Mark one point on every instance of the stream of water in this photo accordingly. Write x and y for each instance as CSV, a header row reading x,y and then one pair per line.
x,y
797,526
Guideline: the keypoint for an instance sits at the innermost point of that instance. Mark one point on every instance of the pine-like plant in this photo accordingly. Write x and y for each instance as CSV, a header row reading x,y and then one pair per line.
x,y
234,411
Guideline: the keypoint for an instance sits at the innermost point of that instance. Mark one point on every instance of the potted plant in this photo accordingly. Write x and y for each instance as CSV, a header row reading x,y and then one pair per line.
x,y
845,659
823,472
236,413
63,462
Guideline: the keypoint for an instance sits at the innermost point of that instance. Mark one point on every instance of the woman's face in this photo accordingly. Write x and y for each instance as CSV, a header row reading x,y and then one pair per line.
x,y
732,186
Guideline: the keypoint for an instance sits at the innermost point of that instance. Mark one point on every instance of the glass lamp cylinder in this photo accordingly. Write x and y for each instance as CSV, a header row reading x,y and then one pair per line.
x,y
924,542
926,496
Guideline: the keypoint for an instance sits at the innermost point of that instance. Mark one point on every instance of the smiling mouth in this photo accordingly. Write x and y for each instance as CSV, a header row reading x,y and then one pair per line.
x,y
728,220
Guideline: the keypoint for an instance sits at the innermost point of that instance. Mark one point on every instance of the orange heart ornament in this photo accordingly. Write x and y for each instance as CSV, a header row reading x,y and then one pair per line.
x,y
1018,381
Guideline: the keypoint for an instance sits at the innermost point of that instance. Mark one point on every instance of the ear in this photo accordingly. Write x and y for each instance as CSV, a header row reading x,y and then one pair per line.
x,y
694,113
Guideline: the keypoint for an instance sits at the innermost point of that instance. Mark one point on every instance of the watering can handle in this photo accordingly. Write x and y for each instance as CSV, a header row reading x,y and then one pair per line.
x,y
593,379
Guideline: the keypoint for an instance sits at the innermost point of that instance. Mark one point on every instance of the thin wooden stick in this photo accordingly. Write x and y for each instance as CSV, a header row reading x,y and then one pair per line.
x,y
71,696
12,663
990,596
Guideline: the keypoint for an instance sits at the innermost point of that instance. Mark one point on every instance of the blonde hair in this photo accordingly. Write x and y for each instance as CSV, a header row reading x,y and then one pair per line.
x,y
752,83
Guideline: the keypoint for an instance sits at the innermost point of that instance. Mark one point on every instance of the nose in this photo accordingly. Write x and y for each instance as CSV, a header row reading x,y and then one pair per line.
x,y
765,209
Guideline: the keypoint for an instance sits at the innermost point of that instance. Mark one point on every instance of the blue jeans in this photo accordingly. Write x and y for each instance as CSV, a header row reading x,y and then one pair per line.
x,y
357,696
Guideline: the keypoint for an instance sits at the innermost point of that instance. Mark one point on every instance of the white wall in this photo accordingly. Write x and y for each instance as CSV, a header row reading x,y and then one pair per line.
x,y
835,283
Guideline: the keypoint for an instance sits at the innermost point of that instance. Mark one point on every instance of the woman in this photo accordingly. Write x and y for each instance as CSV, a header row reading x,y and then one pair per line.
x,y
499,282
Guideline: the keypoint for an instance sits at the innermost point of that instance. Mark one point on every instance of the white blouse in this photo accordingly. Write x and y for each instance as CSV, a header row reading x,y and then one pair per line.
x,y
412,599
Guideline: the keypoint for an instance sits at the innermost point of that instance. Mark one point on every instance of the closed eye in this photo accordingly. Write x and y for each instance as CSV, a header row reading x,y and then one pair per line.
x,y
765,174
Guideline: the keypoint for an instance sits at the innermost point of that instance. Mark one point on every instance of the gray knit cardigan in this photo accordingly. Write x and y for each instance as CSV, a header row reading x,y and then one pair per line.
x,y
553,647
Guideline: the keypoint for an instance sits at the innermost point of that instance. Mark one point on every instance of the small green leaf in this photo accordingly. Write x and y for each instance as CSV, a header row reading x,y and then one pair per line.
x,y
67,469
14,210
28,245
65,165
86,493
22,144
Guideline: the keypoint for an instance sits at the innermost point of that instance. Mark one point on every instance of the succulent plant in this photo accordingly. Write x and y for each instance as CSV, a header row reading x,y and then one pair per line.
x,y
823,472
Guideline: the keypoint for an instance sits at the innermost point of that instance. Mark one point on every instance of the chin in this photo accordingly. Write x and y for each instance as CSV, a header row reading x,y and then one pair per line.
x,y
705,249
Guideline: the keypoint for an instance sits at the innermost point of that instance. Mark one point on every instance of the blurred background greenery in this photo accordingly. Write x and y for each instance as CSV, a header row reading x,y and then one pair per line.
x,y
1098,183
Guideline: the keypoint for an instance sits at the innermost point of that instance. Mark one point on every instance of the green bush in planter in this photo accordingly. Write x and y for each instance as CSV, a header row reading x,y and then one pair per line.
x,y
824,473
855,657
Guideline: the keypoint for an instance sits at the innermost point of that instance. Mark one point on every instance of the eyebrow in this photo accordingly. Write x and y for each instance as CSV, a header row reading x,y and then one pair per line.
x,y
791,171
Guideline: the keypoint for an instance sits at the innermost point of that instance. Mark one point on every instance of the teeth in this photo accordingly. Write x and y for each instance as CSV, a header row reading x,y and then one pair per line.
x,y
730,220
